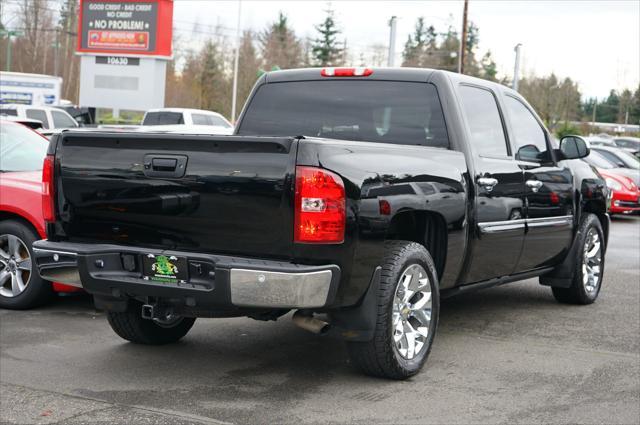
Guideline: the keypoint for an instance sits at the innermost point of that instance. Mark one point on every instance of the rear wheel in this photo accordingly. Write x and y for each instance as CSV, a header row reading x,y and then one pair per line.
x,y
588,266
20,285
407,316
131,326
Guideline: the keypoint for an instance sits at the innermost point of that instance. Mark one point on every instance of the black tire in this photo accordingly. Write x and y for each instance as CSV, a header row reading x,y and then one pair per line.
x,y
380,357
37,290
577,293
131,326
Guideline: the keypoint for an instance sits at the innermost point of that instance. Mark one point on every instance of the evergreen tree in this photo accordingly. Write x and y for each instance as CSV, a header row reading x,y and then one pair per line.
x,y
420,50
325,49
489,67
280,48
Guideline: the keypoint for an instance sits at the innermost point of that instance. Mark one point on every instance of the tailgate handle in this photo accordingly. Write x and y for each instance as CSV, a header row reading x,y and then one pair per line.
x,y
160,165
164,164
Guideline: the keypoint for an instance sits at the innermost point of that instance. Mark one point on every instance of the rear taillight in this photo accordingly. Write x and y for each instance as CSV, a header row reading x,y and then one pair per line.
x,y
48,211
346,72
319,206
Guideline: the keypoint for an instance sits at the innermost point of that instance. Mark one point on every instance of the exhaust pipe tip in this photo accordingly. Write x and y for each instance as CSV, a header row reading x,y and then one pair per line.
x,y
310,323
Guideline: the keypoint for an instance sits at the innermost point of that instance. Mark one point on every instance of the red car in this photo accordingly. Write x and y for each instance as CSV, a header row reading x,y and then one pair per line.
x,y
624,192
22,152
625,195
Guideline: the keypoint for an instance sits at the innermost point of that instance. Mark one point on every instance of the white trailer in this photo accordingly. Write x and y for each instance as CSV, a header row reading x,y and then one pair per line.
x,y
29,89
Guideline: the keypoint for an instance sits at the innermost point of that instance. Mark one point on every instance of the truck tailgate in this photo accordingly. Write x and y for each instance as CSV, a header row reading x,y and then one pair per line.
x,y
234,195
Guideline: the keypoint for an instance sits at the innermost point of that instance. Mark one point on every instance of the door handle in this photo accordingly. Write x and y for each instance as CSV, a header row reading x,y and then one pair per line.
x,y
487,183
534,185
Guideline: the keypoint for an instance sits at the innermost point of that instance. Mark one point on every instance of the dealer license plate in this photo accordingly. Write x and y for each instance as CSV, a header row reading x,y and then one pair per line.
x,y
164,268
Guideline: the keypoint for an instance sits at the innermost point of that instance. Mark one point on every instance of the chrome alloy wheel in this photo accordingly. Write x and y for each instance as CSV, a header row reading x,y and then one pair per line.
x,y
591,261
411,314
15,266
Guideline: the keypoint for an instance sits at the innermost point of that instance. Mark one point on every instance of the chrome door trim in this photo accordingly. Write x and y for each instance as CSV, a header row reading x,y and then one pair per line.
x,y
490,227
557,221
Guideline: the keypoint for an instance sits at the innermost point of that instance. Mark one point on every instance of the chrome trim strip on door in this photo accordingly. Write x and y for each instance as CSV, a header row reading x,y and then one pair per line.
x,y
501,226
556,221
507,225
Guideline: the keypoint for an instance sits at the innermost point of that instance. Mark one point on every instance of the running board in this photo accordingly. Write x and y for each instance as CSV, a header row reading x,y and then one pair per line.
x,y
446,293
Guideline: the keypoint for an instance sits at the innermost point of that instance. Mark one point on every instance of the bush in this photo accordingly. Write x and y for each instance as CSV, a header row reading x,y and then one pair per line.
x,y
567,129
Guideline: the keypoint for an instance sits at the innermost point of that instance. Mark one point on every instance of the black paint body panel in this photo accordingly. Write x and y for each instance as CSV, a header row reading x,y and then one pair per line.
x,y
236,196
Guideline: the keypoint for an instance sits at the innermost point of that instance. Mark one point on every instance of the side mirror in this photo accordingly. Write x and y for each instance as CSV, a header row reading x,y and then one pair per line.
x,y
574,147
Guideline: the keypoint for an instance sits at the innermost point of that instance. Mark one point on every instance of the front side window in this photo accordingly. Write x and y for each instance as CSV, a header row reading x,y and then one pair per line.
x,y
62,120
483,118
40,115
529,137
21,149
360,110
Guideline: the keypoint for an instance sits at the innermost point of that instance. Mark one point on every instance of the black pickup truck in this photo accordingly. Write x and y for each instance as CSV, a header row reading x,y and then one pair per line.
x,y
357,197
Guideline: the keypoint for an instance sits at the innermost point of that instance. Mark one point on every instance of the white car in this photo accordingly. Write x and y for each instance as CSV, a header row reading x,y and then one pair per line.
x,y
187,120
51,118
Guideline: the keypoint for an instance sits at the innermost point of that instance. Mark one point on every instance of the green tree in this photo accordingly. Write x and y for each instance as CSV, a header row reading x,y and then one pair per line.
x,y
326,50
421,47
280,48
489,67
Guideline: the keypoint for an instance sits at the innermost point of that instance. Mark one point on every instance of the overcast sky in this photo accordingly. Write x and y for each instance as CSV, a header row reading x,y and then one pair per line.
x,y
596,43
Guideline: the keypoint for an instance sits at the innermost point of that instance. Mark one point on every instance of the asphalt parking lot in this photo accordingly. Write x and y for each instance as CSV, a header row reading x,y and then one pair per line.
x,y
504,355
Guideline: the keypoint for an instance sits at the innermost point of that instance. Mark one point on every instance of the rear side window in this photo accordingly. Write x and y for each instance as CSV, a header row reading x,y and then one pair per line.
x,y
62,120
375,111
205,119
483,118
529,137
214,120
40,115
200,119
163,118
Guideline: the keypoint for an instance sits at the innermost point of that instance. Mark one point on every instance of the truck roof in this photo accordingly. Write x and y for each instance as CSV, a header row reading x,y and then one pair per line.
x,y
396,73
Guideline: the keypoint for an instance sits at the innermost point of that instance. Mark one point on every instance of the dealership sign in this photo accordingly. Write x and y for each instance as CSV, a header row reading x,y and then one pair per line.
x,y
126,27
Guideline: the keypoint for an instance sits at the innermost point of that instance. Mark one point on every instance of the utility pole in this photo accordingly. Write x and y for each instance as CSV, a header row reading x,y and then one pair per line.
x,y
56,47
392,42
234,94
516,68
463,42
9,34
595,107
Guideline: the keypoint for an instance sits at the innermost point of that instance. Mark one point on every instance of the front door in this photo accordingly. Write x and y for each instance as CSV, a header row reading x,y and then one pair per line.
x,y
499,188
549,190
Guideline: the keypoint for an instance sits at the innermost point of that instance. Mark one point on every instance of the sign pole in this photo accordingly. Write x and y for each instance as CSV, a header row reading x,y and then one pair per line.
x,y
234,94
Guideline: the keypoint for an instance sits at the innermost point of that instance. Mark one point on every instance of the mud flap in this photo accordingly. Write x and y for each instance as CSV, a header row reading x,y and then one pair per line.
x,y
358,323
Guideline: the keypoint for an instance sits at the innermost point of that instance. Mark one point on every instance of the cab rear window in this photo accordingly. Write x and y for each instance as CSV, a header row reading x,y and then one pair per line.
x,y
375,111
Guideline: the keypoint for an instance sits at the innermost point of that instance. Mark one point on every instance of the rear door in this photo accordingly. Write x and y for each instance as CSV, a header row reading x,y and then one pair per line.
x,y
499,187
548,186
